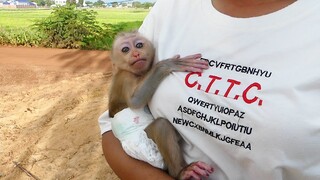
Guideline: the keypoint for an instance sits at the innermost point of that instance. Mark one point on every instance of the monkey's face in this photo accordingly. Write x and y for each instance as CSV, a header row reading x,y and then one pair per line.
x,y
133,53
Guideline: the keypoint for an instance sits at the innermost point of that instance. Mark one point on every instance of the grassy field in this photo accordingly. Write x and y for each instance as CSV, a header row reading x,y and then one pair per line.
x,y
16,29
24,18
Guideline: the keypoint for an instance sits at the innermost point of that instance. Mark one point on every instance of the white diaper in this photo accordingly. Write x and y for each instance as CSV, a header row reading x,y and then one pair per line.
x,y
128,126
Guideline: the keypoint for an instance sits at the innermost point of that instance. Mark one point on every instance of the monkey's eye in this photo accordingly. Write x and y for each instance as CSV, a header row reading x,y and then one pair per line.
x,y
125,49
139,45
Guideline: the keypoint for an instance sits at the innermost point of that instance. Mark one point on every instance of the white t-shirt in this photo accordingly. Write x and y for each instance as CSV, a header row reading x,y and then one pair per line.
x,y
255,114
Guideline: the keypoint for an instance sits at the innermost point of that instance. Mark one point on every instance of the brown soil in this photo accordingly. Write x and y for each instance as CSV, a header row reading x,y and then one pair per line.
x,y
50,102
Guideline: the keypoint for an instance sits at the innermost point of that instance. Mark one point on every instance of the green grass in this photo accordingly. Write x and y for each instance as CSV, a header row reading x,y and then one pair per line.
x,y
16,30
21,18
24,18
114,16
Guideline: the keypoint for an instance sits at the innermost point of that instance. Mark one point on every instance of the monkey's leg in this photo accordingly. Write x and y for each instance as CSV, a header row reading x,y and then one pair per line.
x,y
167,139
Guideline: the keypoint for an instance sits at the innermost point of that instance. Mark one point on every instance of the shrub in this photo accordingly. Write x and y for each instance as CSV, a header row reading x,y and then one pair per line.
x,y
68,27
109,32
19,37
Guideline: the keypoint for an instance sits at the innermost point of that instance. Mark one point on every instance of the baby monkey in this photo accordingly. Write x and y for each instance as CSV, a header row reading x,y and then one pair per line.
x,y
134,82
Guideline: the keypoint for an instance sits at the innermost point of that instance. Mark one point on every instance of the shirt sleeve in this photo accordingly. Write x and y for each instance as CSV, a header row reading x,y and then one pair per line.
x,y
146,29
104,122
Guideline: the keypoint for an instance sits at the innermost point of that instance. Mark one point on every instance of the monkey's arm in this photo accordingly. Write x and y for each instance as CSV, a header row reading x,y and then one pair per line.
x,y
125,166
122,88
147,87
149,84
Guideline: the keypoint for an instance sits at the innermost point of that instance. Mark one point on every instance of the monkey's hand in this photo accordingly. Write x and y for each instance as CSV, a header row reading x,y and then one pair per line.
x,y
145,89
191,63
195,170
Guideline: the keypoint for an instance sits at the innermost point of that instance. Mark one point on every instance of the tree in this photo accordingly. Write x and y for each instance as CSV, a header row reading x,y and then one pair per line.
x,y
136,4
49,2
145,5
99,3
71,2
89,3
40,2
44,2
115,4
80,3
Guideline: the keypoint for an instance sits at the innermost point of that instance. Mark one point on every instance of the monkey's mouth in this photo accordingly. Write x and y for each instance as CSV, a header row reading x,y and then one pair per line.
x,y
139,63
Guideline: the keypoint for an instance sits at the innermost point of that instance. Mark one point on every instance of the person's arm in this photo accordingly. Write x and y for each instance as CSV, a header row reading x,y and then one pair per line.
x,y
125,166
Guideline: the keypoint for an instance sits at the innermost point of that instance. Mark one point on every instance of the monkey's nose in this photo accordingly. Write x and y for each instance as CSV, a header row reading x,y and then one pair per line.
x,y
135,54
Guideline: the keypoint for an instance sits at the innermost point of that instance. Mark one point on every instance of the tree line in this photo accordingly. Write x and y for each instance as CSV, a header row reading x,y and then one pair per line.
x,y
99,3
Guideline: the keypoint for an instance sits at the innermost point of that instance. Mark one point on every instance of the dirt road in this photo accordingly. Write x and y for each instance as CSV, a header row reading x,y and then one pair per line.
x,y
50,101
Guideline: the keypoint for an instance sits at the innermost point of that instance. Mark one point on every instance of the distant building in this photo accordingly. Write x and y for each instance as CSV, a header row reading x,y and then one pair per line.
x,y
64,2
60,2
120,4
17,4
